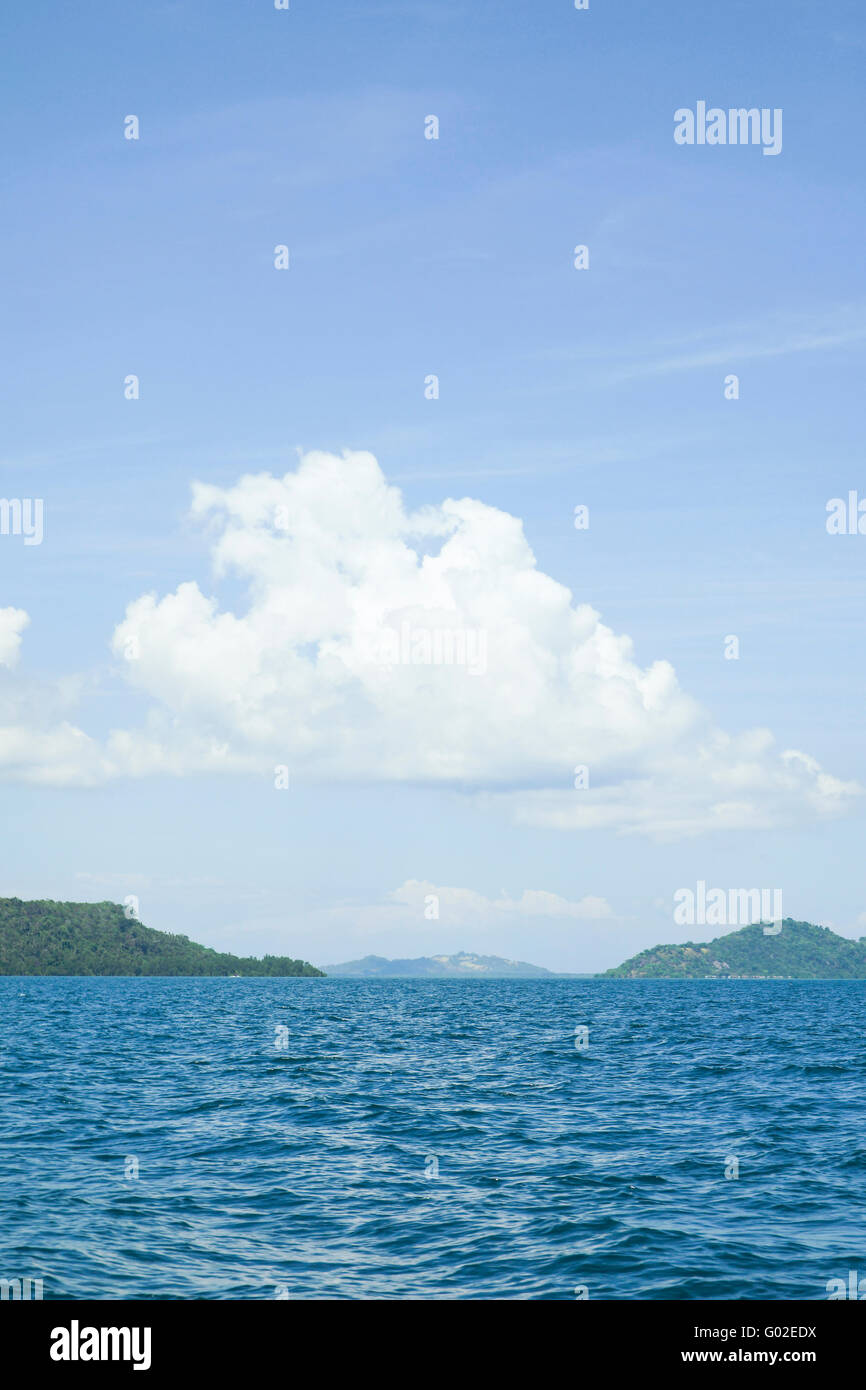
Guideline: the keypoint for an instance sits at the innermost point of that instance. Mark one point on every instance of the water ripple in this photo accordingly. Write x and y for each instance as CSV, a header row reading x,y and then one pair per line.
x,y
431,1138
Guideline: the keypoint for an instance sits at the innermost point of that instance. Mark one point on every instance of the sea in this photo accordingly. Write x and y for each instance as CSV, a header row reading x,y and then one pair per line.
x,y
448,1139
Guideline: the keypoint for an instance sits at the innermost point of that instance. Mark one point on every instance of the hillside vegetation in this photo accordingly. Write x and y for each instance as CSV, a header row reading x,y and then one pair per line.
x,y
51,938
800,951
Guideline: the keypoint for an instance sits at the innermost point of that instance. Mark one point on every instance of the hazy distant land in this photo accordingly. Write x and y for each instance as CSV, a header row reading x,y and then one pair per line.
x,y
463,965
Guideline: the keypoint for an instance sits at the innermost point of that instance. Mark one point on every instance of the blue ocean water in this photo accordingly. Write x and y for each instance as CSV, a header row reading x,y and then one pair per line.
x,y
435,1139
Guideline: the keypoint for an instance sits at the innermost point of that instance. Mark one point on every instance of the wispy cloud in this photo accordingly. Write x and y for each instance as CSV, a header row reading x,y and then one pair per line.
x,y
773,335
780,336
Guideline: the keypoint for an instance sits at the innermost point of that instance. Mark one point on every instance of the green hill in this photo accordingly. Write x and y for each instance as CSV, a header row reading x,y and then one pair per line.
x,y
800,951
49,938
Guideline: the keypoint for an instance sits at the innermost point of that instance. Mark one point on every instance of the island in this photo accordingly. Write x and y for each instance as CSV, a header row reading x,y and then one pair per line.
x,y
464,965
788,951
54,938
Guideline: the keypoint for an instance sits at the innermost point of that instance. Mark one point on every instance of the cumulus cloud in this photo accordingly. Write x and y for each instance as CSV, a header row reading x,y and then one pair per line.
x,y
464,906
12,623
36,745
421,915
426,647
723,783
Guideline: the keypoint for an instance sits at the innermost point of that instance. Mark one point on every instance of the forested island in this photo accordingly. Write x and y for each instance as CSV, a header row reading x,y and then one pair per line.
x,y
799,951
52,938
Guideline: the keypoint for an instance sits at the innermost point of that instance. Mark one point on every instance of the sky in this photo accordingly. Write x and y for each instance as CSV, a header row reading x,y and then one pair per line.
x,y
264,490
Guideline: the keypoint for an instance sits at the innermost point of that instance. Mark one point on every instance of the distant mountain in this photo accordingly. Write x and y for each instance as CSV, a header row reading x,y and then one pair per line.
x,y
50,938
465,965
800,951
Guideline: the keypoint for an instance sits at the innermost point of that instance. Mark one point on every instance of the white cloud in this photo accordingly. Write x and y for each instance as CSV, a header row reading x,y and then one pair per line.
x,y
535,924
401,922
464,906
302,674
725,783
12,623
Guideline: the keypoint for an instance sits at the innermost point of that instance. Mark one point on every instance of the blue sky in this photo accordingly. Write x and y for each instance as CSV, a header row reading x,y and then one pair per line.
x,y
557,387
